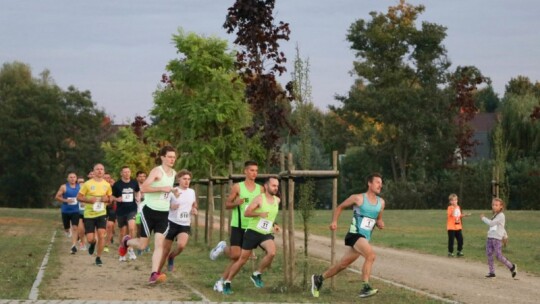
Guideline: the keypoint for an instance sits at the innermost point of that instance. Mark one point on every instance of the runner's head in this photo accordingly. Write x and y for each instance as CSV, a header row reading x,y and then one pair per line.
x,y
271,185
80,180
72,178
125,173
90,174
452,199
167,156
99,171
184,178
251,169
497,205
375,183
107,177
141,177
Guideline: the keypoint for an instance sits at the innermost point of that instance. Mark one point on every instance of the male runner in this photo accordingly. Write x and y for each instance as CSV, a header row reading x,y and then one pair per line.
x,y
126,193
67,195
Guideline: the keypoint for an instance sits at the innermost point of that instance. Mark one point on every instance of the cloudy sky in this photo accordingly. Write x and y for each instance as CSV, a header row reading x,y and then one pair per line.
x,y
118,49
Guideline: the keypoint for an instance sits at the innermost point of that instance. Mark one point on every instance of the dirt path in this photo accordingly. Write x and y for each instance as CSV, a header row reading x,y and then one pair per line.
x,y
458,279
114,281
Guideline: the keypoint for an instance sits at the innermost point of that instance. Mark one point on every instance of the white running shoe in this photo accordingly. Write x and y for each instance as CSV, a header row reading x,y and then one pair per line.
x,y
122,259
131,254
218,250
218,286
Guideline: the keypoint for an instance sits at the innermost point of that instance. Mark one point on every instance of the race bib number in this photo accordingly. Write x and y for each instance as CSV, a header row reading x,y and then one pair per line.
x,y
72,201
164,196
98,207
367,223
265,225
493,228
127,197
183,216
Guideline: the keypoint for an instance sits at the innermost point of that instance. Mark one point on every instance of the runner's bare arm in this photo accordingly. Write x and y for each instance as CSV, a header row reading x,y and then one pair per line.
x,y
380,222
231,200
154,175
352,200
60,193
250,210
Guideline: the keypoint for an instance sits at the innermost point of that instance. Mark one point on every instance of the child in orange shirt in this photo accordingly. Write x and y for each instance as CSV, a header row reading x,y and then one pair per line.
x,y
454,226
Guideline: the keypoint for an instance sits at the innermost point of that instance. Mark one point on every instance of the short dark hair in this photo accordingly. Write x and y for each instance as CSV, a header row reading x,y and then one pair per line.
x,y
140,172
267,181
372,176
163,151
124,167
184,172
250,163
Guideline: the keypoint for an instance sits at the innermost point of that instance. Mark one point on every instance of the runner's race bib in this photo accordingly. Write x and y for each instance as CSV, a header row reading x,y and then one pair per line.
x,y
127,197
72,201
164,196
182,216
367,223
265,225
98,206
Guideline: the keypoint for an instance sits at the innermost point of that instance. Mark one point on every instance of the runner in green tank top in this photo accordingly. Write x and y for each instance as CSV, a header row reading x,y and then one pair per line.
x,y
262,211
241,195
154,217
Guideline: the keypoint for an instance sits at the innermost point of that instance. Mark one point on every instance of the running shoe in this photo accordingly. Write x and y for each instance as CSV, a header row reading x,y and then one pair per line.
x,y
218,286
82,246
161,277
170,264
490,275
367,291
218,250
227,290
257,280
513,270
316,284
122,259
73,249
91,248
450,255
122,249
98,261
131,254
106,249
460,254
153,278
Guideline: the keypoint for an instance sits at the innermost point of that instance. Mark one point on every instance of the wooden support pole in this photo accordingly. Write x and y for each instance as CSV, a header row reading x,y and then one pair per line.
x,y
292,248
222,213
284,225
334,206
196,217
210,210
231,182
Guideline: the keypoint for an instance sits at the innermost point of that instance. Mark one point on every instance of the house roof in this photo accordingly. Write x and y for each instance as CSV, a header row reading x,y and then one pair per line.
x,y
484,122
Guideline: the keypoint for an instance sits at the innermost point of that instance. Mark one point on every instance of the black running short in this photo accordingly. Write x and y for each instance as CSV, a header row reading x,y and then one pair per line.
x,y
91,224
175,229
123,220
351,238
237,236
111,214
153,220
252,239
70,218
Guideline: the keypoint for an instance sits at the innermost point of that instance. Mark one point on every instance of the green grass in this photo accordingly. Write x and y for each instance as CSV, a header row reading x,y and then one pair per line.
x,y
26,234
425,231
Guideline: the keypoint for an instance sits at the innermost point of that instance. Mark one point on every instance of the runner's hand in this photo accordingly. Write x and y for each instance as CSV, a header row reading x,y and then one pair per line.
x,y
333,226
380,224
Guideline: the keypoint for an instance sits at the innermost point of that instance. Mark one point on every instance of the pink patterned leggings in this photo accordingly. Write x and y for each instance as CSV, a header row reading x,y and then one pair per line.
x,y
494,246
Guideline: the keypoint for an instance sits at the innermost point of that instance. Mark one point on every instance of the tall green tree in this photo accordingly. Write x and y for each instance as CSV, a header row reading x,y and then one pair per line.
x,y
201,108
400,68
44,132
487,100
521,132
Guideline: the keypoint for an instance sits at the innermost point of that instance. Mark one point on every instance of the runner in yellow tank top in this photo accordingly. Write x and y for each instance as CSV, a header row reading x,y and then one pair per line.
x,y
239,198
262,211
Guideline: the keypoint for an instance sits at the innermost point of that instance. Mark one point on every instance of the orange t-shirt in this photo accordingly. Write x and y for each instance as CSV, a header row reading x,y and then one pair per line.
x,y
453,218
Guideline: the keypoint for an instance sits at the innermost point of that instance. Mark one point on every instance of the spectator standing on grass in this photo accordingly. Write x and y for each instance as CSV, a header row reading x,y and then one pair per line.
x,y
67,196
454,225
496,234
95,193
367,214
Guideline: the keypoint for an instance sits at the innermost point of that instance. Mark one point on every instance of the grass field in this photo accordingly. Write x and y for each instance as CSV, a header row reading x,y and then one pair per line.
x,y
425,231
27,233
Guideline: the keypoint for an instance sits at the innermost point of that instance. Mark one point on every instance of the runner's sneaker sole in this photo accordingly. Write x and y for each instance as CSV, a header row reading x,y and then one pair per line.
x,y
372,292
314,290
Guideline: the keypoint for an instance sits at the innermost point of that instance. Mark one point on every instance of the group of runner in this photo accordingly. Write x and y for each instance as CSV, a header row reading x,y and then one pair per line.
x,y
167,212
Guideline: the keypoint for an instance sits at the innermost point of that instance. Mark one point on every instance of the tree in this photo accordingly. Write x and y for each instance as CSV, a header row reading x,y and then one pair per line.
x,y
400,68
44,132
520,131
201,110
257,63
487,100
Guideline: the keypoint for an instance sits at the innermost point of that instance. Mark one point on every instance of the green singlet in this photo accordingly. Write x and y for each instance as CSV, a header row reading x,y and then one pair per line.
x,y
237,217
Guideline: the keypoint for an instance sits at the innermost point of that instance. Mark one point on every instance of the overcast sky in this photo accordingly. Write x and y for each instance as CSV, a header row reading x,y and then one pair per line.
x,y
118,49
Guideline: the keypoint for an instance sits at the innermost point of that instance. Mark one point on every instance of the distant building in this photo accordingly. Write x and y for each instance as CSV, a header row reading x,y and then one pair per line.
x,y
483,125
